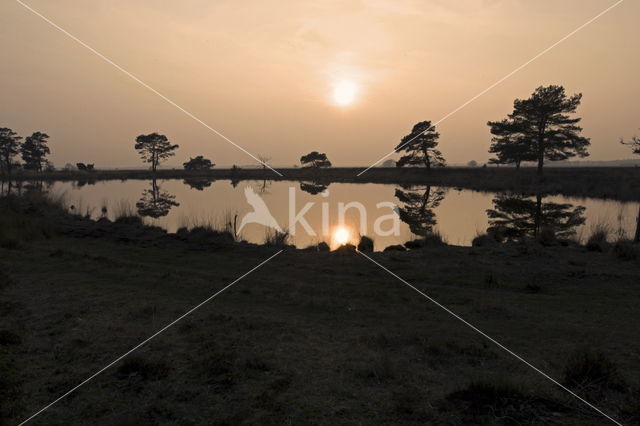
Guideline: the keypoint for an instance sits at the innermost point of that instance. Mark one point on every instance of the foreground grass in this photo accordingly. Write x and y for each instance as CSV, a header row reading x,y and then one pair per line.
x,y
318,338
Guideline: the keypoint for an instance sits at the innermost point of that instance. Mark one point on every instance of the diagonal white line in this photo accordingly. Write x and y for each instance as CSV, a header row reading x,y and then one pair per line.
x,y
498,82
144,342
500,345
142,83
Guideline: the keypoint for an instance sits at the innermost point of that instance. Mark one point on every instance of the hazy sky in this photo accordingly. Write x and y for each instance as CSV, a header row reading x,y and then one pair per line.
x,y
264,73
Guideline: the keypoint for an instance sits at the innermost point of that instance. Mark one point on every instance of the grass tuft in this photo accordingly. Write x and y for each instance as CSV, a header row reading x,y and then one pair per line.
x,y
484,240
599,238
625,250
591,371
365,244
275,238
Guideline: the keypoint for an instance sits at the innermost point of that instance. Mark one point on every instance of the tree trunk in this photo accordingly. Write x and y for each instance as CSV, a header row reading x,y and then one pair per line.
x,y
541,133
154,162
7,161
538,216
425,199
154,190
636,239
517,164
540,159
426,160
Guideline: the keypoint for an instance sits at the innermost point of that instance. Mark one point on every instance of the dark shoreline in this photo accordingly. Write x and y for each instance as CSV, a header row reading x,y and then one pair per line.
x,y
620,183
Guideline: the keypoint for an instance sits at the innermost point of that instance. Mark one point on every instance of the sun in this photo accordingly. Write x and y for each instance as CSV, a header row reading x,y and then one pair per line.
x,y
345,92
341,235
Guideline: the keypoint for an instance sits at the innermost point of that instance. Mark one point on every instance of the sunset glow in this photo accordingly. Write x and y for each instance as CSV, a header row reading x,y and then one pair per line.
x,y
341,236
345,92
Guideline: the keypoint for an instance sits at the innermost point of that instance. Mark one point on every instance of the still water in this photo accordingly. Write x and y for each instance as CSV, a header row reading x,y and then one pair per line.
x,y
458,215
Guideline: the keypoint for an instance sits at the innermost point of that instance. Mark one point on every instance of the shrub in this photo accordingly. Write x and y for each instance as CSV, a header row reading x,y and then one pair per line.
x,y
275,238
432,239
498,233
484,240
625,250
203,234
198,163
323,246
598,239
591,371
345,249
365,244
547,236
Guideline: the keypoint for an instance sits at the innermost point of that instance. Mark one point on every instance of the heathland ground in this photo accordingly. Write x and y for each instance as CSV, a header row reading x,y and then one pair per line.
x,y
310,337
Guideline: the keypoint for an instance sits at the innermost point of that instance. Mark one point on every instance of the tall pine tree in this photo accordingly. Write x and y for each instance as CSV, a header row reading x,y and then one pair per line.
x,y
420,147
34,151
544,126
9,148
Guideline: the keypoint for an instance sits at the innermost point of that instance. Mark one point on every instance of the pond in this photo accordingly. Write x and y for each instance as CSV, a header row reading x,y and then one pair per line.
x,y
341,212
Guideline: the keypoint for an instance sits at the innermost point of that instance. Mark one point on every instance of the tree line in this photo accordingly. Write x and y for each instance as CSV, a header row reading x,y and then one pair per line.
x,y
540,128
33,151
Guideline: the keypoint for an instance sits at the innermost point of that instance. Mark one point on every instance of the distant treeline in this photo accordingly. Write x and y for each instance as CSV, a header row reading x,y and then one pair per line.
x,y
600,182
541,128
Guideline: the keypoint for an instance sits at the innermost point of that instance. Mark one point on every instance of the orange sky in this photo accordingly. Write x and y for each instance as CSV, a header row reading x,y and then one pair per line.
x,y
263,72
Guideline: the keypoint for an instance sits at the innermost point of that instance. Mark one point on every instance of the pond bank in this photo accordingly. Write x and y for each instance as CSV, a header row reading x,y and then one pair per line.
x,y
620,183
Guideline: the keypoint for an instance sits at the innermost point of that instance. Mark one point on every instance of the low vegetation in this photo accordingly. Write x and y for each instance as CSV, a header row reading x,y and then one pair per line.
x,y
275,238
599,238
71,288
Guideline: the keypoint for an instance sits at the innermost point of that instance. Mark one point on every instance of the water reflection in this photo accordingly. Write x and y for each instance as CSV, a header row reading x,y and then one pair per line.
x,y
197,183
82,182
155,202
313,188
515,217
264,186
460,214
20,187
35,186
417,204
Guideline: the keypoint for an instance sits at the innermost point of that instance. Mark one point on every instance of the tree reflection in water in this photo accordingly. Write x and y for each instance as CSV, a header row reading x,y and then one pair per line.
x,y
313,188
197,183
418,202
20,187
515,217
155,202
